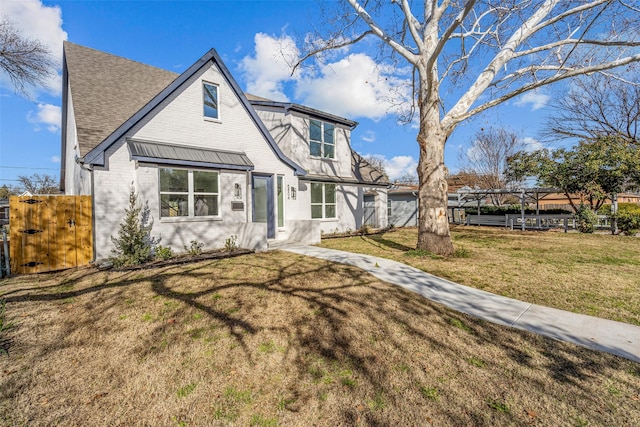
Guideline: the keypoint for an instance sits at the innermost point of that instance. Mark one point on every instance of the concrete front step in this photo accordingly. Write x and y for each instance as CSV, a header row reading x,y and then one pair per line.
x,y
277,244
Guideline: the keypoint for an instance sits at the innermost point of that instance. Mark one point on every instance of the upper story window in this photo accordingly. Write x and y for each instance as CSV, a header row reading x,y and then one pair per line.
x,y
210,100
188,193
321,139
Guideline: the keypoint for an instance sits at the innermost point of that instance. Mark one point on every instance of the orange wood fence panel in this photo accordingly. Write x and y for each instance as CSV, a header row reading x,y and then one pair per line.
x,y
49,233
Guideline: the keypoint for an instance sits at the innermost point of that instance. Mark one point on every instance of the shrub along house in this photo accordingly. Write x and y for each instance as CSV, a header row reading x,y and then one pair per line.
x,y
197,152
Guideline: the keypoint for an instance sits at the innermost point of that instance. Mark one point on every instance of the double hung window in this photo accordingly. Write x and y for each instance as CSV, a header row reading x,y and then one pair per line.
x,y
321,139
188,193
323,200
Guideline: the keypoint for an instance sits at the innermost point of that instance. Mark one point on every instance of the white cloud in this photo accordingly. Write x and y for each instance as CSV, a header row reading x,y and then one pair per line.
x,y
354,86
369,136
270,68
532,144
535,98
40,22
55,159
397,166
48,115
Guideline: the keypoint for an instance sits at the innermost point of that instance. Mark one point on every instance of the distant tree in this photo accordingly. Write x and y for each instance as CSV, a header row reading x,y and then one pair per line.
x,y
469,56
26,61
598,105
40,184
376,161
8,190
594,170
409,178
486,160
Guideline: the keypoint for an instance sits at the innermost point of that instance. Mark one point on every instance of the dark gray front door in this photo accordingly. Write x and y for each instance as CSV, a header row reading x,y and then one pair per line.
x,y
262,194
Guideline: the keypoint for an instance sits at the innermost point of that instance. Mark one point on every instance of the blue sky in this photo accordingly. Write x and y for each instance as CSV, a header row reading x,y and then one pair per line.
x,y
251,37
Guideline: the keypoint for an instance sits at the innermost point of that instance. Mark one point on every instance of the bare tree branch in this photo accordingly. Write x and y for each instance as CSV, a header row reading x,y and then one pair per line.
x,y
597,105
535,85
332,45
26,61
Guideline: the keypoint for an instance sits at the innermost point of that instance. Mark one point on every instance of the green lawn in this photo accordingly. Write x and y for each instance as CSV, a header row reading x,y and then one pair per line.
x,y
277,339
598,274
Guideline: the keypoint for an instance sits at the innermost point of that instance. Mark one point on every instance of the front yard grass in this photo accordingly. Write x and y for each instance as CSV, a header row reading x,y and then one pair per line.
x,y
597,274
282,339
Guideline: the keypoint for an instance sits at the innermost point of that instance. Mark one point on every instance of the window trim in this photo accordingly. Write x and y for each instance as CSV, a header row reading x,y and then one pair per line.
x,y
191,195
322,142
324,203
204,115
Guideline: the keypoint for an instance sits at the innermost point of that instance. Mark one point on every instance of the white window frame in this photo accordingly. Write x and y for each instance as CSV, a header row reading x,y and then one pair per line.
x,y
191,194
217,87
322,142
324,203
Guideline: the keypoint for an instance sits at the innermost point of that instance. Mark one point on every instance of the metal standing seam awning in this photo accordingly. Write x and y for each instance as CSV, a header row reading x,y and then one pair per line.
x,y
171,154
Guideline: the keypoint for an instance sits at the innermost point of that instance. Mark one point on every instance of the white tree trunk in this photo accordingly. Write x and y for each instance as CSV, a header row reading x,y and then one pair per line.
x,y
433,224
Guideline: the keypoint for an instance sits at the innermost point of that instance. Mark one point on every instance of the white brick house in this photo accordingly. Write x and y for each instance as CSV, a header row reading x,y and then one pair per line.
x,y
199,153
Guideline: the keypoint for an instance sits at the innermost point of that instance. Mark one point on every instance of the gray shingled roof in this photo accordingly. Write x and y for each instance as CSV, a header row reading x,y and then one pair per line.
x,y
102,98
364,172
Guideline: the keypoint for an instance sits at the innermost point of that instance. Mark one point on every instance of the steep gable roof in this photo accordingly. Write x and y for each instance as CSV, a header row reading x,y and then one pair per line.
x,y
102,134
106,90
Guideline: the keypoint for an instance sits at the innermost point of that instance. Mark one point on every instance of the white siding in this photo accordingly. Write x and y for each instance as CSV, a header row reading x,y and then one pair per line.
x,y
291,132
180,120
76,180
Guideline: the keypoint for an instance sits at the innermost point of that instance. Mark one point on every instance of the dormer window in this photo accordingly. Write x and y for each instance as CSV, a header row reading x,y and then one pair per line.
x,y
321,139
210,98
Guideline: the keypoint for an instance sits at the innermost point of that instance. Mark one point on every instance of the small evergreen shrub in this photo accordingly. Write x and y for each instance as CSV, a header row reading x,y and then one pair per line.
x,y
134,244
586,219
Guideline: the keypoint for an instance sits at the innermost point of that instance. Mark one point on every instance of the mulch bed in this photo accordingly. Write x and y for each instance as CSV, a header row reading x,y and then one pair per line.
x,y
187,258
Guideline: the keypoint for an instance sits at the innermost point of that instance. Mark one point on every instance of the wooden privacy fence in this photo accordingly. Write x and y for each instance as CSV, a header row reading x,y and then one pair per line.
x,y
49,233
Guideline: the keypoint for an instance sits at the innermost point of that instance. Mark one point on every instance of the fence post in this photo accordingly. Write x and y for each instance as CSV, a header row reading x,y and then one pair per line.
x,y
5,243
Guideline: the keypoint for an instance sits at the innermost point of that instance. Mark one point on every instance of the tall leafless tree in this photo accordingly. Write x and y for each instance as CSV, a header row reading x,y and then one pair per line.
x,y
487,158
598,105
26,61
469,56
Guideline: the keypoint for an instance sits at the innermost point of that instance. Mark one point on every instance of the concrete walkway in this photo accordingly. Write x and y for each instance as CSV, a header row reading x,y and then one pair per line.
x,y
609,336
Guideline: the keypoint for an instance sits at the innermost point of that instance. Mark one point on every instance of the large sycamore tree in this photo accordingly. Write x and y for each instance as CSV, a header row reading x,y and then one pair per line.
x,y
469,56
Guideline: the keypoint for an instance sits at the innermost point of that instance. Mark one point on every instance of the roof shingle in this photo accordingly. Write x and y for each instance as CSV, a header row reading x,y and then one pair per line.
x,y
106,90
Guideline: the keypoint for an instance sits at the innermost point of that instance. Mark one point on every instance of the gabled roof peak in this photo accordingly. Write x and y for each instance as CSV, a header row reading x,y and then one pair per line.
x,y
104,86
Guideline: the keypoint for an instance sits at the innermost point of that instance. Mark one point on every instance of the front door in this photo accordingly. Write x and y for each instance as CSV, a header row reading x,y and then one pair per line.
x,y
263,211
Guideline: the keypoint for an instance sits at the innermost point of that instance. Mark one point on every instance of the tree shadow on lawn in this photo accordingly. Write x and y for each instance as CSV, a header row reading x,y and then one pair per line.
x,y
382,241
347,335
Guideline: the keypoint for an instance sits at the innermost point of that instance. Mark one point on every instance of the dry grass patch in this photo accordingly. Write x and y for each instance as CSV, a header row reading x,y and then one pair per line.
x,y
590,274
281,339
